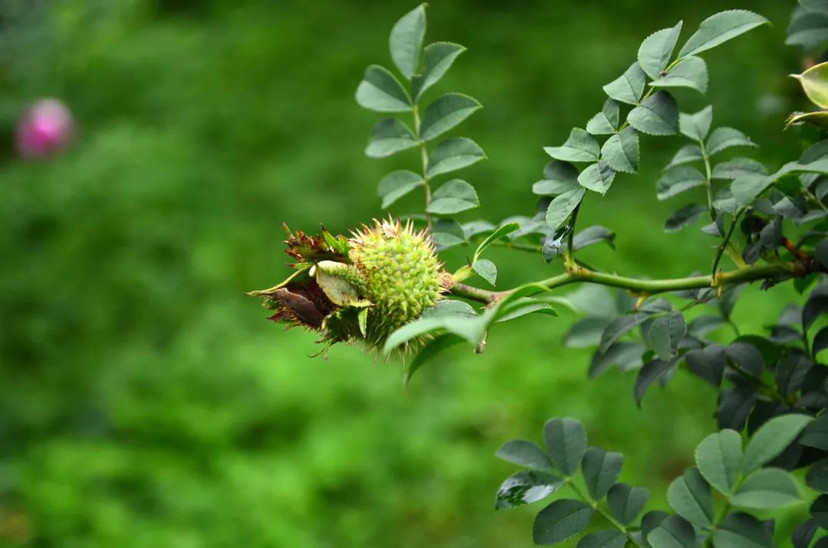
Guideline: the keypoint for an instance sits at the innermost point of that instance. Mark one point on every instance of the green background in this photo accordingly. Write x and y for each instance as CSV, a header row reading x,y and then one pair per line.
x,y
146,402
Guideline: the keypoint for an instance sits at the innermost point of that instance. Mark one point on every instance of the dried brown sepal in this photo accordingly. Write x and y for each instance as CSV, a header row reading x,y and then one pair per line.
x,y
312,249
300,303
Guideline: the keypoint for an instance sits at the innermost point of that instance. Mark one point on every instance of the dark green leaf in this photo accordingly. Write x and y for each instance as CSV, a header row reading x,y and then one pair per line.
x,y
728,300
740,530
628,87
580,146
380,91
735,404
822,252
691,498
790,372
429,351
566,443
606,121
389,137
525,488
707,363
685,155
766,488
664,334
804,533
747,358
727,137
446,113
406,40
603,539
738,167
439,57
819,511
658,114
720,28
817,477
486,269
651,520
601,469
719,458
620,151
597,177
816,434
674,532
677,180
453,154
397,184
702,325
561,520
449,307
619,327
585,333
696,126
649,373
655,51
593,235
626,502
820,341
625,355
690,72
525,453
452,197
562,205
771,439
814,308
684,217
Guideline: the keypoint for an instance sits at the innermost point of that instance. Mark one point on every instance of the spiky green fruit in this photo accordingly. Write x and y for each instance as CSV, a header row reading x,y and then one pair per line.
x,y
401,271
363,288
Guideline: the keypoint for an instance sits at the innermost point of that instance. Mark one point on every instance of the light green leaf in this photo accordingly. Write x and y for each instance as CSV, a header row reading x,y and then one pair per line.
x,y
620,151
452,197
814,82
397,184
738,167
691,498
807,29
628,87
561,520
720,28
686,155
333,278
559,177
597,177
673,532
447,233
603,539
580,146
677,180
817,118
593,235
453,154
767,488
771,439
499,233
380,91
655,51
449,307
658,114
690,72
445,113
439,57
406,40
433,347
719,458
696,126
562,205
389,137
726,137
362,319
486,269
606,121
566,442
747,187
684,217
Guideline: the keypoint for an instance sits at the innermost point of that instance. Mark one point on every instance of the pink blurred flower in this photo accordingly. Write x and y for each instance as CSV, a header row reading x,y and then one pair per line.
x,y
45,128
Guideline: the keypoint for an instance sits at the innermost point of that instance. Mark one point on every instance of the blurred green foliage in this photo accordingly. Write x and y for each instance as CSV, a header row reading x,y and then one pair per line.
x,y
144,401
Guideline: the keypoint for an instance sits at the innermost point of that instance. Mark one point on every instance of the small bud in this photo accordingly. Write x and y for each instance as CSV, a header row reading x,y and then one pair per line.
x,y
44,129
